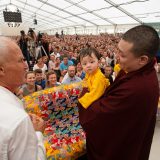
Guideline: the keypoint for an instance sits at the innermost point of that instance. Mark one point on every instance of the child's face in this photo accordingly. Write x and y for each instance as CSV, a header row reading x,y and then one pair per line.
x,y
39,76
108,70
90,63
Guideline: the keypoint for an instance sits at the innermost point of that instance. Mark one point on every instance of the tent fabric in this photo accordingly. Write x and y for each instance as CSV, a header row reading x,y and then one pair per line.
x,y
54,14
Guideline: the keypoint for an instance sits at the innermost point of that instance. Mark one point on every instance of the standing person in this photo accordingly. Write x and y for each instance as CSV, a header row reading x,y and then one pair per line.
x,y
120,125
22,41
32,39
18,141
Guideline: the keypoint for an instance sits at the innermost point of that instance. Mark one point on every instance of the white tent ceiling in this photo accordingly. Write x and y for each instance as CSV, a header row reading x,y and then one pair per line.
x,y
52,14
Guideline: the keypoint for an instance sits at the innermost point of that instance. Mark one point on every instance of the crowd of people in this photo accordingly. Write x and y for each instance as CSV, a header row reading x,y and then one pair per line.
x,y
119,122
60,55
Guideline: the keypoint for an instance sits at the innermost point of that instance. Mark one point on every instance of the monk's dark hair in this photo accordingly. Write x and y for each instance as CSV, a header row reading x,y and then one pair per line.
x,y
145,40
88,52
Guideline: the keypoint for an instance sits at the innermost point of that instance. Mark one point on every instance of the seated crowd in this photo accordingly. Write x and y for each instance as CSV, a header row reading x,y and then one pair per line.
x,y
56,61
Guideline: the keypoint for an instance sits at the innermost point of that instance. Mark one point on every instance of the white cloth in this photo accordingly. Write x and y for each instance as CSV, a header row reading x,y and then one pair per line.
x,y
18,140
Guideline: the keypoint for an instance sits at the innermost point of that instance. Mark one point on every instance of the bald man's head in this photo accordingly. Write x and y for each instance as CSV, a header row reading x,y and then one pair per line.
x,y
12,65
7,47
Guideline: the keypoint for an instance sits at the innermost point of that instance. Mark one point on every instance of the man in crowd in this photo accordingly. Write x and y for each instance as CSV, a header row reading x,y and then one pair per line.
x,y
70,76
65,64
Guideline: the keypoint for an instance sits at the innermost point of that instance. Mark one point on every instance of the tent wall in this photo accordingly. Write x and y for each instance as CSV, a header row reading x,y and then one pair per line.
x,y
92,29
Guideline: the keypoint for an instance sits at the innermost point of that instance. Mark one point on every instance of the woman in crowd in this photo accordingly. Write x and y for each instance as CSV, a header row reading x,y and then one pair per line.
x,y
80,73
51,79
30,86
57,67
51,64
40,65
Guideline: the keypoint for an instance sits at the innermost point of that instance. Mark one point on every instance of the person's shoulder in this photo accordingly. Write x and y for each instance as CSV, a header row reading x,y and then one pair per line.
x,y
144,82
11,116
43,81
70,62
35,67
66,79
45,65
78,78
61,65
50,62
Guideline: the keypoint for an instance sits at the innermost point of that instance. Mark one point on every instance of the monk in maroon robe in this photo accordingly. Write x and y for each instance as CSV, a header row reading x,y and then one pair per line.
x,y
120,125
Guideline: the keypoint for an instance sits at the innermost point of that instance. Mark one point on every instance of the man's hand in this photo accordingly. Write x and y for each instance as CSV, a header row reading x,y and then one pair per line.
x,y
38,123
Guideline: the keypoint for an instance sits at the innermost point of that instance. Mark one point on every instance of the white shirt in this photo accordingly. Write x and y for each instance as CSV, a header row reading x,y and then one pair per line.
x,y
68,80
51,65
44,68
18,140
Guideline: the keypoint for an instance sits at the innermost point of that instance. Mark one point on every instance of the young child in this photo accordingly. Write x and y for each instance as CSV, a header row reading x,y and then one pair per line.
x,y
96,81
39,78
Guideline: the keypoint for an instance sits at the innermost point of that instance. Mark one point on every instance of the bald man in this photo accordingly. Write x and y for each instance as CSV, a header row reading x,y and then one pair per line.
x,y
18,141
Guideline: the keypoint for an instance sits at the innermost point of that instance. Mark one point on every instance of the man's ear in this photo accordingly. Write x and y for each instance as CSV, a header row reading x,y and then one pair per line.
x,y
1,71
143,60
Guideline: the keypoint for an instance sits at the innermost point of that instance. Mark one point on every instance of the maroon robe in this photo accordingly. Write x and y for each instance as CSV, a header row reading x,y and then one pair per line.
x,y
120,125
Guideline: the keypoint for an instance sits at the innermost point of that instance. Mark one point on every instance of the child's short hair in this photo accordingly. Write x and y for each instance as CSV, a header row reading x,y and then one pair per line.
x,y
37,71
88,52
